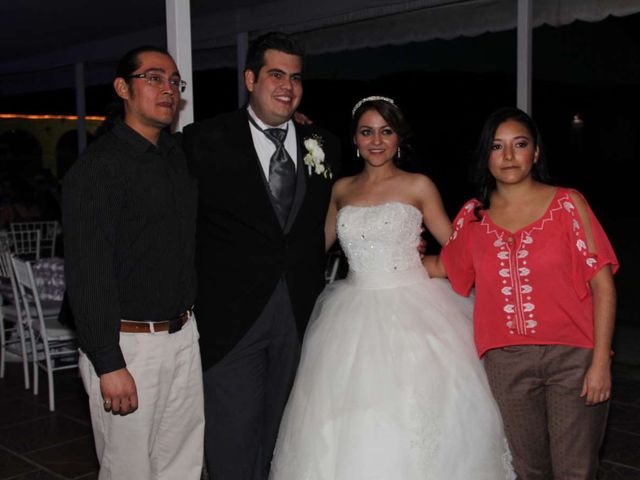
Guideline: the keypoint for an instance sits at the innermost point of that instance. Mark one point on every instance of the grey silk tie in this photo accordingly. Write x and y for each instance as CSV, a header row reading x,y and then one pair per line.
x,y
282,174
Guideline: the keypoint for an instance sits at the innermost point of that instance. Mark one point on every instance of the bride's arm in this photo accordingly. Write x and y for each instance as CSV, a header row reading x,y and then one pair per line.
x,y
330,226
434,266
332,213
435,217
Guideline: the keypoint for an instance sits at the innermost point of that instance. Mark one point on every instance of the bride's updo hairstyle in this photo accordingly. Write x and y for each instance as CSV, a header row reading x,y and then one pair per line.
x,y
388,110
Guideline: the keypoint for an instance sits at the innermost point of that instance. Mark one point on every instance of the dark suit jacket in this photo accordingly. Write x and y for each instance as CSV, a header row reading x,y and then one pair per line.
x,y
242,252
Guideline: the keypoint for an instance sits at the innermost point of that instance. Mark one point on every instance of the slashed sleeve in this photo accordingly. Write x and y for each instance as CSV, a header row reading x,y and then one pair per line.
x,y
456,254
584,262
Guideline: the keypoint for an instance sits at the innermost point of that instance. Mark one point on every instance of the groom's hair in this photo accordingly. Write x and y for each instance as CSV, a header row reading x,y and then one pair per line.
x,y
270,41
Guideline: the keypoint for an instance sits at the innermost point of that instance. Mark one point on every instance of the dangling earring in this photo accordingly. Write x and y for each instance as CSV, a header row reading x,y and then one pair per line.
x,y
398,152
357,152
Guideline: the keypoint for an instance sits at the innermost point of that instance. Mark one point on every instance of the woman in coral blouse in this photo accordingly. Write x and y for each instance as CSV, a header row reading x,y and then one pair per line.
x,y
542,268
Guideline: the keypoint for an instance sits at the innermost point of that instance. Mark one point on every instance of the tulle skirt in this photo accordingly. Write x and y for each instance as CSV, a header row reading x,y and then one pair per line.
x,y
390,387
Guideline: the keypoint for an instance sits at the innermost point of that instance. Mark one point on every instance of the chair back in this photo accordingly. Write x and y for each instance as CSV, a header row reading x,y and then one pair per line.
x,y
25,243
5,241
49,232
9,287
12,316
332,266
28,292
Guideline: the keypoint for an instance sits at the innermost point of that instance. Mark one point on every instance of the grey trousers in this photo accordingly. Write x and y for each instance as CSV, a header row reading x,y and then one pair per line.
x,y
246,392
551,432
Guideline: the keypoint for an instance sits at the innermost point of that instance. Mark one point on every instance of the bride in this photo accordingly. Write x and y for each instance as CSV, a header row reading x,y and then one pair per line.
x,y
389,384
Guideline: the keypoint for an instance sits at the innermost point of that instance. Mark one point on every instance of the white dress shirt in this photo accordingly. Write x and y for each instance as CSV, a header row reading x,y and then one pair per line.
x,y
266,148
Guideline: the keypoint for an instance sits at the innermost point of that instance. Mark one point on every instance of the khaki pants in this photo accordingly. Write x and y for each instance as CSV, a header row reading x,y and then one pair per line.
x,y
163,438
551,432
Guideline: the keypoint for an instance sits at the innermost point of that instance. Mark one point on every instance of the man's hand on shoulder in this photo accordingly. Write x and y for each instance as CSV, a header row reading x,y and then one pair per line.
x,y
119,392
301,118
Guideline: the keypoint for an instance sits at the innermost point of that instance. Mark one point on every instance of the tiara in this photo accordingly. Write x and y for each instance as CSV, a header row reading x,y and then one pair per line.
x,y
371,99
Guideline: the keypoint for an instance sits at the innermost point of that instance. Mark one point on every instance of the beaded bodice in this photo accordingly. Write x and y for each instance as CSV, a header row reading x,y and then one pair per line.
x,y
380,238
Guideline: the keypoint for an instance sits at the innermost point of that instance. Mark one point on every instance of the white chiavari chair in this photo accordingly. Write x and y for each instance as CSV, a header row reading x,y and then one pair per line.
x,y
25,243
54,345
49,232
334,258
13,329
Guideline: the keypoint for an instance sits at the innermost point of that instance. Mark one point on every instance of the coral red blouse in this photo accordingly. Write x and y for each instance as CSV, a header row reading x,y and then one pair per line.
x,y
531,286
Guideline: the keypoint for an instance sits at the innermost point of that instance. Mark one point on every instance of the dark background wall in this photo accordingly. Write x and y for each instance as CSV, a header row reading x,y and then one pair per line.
x,y
447,88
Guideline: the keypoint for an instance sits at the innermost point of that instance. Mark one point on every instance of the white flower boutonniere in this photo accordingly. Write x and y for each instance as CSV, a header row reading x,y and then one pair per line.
x,y
314,158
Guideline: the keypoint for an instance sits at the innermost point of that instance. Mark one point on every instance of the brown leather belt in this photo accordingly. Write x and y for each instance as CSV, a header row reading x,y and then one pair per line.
x,y
172,326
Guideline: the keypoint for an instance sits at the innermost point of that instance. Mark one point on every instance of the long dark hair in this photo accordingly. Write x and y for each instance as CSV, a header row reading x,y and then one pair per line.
x,y
128,64
484,181
392,115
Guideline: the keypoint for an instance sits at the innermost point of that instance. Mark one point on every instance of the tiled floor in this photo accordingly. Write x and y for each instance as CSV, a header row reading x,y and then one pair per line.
x,y
36,444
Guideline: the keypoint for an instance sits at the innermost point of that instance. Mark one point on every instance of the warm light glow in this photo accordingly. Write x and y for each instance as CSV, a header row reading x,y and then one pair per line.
x,y
48,117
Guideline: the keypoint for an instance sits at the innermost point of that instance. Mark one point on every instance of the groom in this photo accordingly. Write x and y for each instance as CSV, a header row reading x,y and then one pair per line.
x,y
259,254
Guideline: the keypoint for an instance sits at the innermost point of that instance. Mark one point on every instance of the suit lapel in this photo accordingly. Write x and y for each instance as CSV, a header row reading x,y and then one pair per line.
x,y
257,180
251,170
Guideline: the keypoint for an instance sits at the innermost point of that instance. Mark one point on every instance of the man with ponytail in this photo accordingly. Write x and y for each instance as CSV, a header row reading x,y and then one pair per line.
x,y
129,216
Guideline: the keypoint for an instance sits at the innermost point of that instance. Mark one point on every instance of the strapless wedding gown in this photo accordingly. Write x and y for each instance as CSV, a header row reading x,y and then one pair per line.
x,y
389,385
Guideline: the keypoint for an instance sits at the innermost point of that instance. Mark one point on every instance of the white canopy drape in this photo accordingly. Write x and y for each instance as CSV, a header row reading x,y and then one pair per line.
x,y
324,26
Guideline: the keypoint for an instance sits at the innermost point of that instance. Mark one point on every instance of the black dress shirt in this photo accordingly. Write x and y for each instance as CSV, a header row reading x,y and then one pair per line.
x,y
129,211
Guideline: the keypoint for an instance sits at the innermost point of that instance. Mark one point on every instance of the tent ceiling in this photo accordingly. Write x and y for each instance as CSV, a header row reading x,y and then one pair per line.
x,y
47,38
34,27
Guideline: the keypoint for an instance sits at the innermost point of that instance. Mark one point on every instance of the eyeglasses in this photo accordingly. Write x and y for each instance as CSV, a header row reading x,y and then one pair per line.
x,y
157,81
